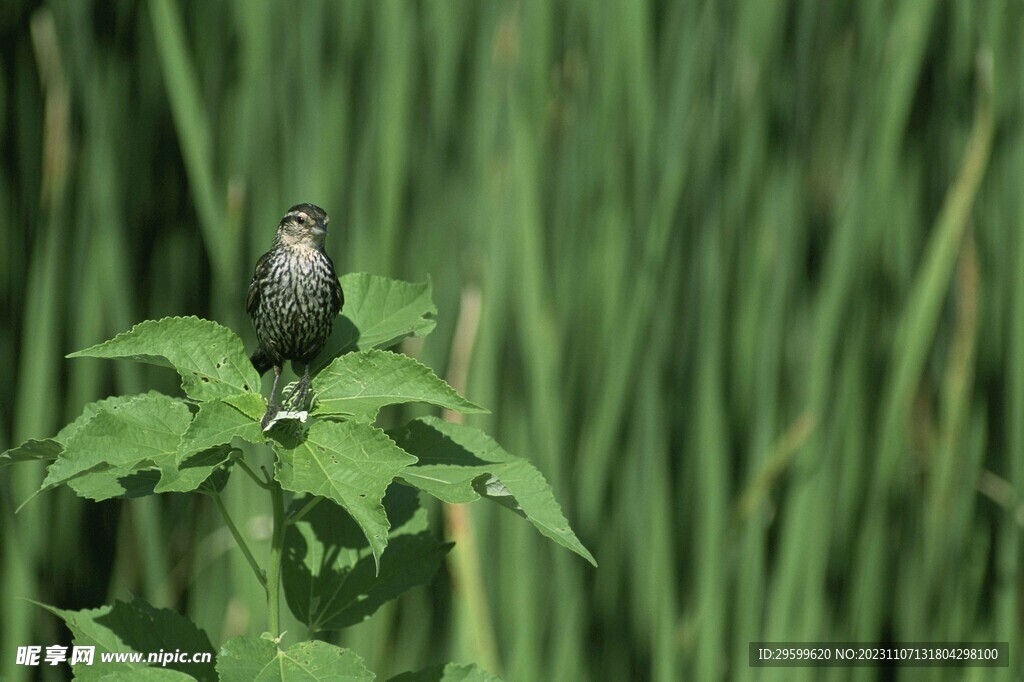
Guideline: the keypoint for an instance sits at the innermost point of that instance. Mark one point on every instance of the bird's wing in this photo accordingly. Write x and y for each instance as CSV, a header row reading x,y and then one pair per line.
x,y
252,299
337,295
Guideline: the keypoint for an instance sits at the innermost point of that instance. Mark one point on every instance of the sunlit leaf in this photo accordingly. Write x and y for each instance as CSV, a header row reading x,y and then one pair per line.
x,y
254,659
349,462
357,385
378,313
139,433
32,450
459,464
210,358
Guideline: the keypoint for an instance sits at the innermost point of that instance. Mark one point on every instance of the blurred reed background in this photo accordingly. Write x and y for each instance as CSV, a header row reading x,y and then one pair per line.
x,y
750,276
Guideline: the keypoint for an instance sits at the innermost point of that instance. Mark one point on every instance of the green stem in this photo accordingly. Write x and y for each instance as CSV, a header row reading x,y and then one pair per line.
x,y
274,569
295,518
252,474
239,539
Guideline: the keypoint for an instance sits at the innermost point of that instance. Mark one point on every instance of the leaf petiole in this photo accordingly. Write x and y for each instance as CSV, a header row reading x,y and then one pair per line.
x,y
239,539
297,516
237,456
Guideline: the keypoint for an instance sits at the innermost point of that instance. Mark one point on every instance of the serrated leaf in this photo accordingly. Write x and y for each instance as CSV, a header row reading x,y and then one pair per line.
x,y
206,444
92,409
351,463
253,659
135,626
252,405
357,385
50,448
459,464
328,572
115,482
139,433
378,313
32,450
131,449
206,469
449,672
210,358
217,423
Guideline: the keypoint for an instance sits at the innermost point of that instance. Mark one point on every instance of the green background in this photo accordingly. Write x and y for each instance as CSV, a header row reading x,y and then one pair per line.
x,y
749,280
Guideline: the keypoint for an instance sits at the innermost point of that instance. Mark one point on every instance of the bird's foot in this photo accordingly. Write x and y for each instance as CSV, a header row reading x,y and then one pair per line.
x,y
299,397
268,418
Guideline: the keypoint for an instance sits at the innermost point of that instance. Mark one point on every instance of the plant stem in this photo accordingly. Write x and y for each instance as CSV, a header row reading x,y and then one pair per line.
x,y
239,539
274,569
250,472
306,508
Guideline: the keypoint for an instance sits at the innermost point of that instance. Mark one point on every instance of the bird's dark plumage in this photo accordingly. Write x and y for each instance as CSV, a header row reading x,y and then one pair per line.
x,y
294,295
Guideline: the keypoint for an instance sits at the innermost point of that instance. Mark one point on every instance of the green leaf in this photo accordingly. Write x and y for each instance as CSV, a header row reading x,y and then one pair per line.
x,y
135,626
218,421
94,408
378,313
115,482
351,463
359,384
131,448
329,572
50,448
32,451
210,358
139,433
450,672
253,659
205,445
459,464
195,471
252,405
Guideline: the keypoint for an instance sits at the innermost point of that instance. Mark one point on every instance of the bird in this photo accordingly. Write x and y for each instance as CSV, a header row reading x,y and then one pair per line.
x,y
293,299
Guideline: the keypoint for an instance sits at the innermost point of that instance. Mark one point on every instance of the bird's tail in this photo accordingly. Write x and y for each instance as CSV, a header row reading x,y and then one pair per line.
x,y
261,361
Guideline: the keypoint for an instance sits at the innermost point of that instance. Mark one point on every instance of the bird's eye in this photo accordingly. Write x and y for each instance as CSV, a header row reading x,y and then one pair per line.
x,y
300,219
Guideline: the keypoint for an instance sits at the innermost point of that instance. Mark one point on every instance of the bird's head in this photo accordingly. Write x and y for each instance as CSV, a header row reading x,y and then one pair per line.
x,y
303,225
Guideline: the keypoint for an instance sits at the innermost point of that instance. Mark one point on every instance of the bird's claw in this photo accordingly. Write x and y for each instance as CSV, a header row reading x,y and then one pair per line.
x,y
299,396
268,418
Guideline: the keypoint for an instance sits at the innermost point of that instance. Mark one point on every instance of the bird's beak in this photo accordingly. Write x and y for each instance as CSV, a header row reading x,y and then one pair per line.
x,y
319,228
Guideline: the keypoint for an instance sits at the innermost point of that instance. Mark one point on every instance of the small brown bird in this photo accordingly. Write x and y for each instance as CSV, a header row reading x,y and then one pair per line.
x,y
293,299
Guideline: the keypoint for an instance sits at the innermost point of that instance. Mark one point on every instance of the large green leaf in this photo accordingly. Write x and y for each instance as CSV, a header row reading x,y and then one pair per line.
x,y
218,421
131,448
205,445
449,672
191,472
48,449
349,462
357,385
329,573
378,313
459,464
210,358
142,432
32,450
107,483
92,409
254,659
135,627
